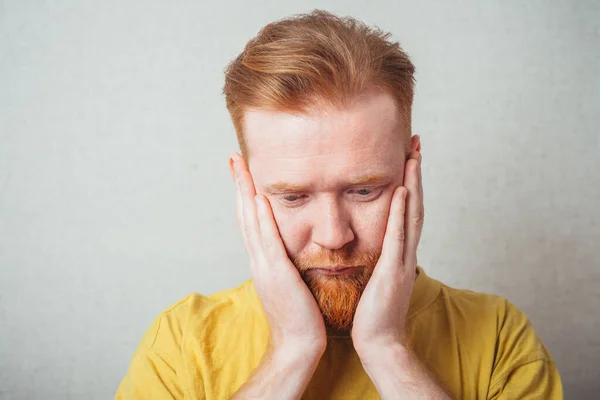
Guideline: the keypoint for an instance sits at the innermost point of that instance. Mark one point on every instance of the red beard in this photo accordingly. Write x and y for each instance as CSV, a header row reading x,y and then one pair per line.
x,y
337,295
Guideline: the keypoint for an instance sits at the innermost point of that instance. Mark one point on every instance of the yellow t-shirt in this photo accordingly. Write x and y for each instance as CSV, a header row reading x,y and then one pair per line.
x,y
477,346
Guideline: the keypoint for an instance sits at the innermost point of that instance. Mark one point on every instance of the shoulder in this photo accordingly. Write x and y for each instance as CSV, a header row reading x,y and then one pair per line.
x,y
157,364
194,313
197,312
507,320
486,304
488,313
518,353
462,305
483,321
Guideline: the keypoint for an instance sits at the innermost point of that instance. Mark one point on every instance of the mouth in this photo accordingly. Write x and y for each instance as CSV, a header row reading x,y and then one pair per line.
x,y
335,270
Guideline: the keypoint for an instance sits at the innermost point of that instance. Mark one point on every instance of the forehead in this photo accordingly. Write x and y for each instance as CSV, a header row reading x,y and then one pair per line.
x,y
327,145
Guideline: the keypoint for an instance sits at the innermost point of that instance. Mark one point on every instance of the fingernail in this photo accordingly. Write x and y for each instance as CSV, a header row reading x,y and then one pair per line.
x,y
419,147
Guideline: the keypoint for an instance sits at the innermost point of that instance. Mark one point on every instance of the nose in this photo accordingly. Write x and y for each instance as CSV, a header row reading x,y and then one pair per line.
x,y
331,227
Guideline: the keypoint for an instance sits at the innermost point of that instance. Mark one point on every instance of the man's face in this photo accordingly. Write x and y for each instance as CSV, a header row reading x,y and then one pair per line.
x,y
329,177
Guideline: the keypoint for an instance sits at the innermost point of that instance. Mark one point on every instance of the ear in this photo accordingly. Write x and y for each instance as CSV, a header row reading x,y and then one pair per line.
x,y
415,143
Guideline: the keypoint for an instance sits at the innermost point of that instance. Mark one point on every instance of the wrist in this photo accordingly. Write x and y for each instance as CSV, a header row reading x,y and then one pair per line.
x,y
292,351
377,354
396,372
283,373
376,348
288,346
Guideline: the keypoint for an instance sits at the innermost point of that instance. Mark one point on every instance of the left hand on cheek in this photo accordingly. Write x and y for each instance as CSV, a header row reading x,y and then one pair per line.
x,y
380,318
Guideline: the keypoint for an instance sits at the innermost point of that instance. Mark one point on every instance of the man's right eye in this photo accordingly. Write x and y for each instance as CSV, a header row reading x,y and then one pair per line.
x,y
291,198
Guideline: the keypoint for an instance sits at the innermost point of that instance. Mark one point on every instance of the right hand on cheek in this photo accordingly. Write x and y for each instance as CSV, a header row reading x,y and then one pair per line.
x,y
294,317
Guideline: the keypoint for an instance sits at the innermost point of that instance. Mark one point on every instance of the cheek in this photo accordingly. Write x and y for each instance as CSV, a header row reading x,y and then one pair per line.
x,y
293,231
370,224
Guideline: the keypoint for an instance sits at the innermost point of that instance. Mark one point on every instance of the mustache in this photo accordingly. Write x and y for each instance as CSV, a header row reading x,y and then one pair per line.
x,y
324,258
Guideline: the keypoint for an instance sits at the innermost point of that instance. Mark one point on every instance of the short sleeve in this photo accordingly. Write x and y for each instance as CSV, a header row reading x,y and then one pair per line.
x,y
523,367
153,372
537,379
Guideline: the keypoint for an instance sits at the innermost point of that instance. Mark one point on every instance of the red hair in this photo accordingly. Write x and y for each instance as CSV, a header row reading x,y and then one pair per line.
x,y
316,60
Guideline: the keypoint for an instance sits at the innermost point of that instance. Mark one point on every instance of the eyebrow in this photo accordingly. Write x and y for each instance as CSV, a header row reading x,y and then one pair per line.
x,y
361,180
366,179
285,187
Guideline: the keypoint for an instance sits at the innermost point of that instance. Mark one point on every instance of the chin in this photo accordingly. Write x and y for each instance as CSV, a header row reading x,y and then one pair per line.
x,y
338,295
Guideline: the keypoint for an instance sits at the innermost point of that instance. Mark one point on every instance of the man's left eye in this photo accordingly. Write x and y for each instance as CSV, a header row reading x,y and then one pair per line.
x,y
364,191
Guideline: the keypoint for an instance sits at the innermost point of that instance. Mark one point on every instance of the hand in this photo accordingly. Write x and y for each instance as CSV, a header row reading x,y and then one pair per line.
x,y
294,317
380,318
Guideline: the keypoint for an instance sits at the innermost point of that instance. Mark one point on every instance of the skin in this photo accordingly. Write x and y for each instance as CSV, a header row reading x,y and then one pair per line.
x,y
327,180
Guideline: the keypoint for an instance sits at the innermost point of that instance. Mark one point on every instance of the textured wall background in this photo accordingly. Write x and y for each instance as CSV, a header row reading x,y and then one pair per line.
x,y
115,199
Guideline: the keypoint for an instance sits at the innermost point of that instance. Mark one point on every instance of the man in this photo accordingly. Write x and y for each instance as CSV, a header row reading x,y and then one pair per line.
x,y
330,206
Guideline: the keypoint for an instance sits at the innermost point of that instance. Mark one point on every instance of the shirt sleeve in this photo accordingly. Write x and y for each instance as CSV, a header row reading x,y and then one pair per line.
x,y
537,379
153,372
523,367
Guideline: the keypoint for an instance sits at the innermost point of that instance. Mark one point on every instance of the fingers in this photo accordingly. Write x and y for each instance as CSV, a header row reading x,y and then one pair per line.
x,y
393,242
247,217
405,220
270,237
413,222
259,229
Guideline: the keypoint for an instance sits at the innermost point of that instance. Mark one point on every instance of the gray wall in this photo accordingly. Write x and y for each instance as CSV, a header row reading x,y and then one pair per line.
x,y
115,198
